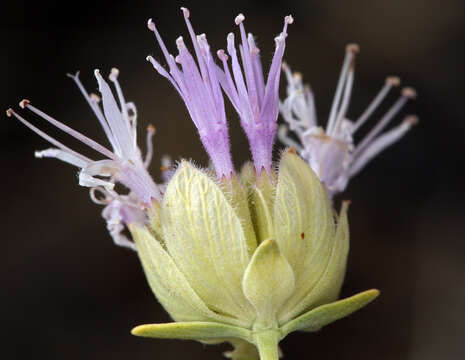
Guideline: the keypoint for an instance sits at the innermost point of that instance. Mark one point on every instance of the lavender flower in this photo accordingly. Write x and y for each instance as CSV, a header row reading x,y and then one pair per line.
x,y
124,164
199,88
331,152
255,102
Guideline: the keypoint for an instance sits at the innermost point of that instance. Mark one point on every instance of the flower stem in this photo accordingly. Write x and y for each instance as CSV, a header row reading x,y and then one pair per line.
x,y
267,344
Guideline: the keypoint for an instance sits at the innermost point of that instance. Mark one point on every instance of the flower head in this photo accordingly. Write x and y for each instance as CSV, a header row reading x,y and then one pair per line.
x,y
124,164
331,151
207,263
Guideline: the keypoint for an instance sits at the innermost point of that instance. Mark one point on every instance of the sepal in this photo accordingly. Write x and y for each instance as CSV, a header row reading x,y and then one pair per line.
x,y
191,331
268,283
323,315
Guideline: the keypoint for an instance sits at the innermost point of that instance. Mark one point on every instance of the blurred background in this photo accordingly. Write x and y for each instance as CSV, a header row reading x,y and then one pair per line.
x,y
69,293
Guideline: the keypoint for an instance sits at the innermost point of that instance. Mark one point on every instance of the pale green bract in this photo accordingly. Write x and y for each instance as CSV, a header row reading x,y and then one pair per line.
x,y
246,260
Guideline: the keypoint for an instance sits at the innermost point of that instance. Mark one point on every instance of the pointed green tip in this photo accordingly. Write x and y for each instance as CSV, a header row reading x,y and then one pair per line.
x,y
139,330
326,314
190,331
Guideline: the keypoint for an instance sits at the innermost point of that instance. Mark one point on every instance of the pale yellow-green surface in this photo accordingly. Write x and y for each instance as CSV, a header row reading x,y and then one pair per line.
x,y
246,260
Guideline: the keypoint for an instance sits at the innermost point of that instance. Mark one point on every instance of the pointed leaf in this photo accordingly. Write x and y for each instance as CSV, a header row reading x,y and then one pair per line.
x,y
325,314
205,237
191,331
268,282
168,284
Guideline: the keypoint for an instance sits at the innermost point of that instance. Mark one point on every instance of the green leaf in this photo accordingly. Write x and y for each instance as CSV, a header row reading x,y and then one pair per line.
x,y
268,283
205,237
191,331
325,314
167,283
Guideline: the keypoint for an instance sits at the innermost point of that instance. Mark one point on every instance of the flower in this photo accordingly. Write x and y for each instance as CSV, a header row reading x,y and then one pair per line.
x,y
124,164
245,257
255,101
209,268
267,237
331,152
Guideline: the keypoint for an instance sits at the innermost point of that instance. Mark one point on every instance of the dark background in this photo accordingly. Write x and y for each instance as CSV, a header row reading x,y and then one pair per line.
x,y
68,293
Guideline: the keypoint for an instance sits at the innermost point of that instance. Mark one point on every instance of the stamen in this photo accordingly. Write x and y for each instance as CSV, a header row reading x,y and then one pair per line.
x,y
407,93
390,82
89,142
95,98
10,112
382,142
248,67
149,154
114,73
93,101
345,100
351,50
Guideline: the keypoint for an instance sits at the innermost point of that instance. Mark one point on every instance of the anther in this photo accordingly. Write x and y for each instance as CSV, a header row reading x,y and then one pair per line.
x,y
114,72
222,55
23,103
239,19
151,129
393,80
186,12
151,24
289,19
412,120
94,97
164,168
9,112
409,92
180,42
291,150
353,48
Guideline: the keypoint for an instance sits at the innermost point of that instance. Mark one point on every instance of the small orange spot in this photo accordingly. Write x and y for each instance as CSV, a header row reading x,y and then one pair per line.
x,y
164,168
302,236
291,150
23,103
151,128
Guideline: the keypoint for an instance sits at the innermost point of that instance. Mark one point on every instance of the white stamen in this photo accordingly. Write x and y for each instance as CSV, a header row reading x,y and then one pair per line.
x,y
89,142
351,50
407,93
345,100
149,154
389,83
